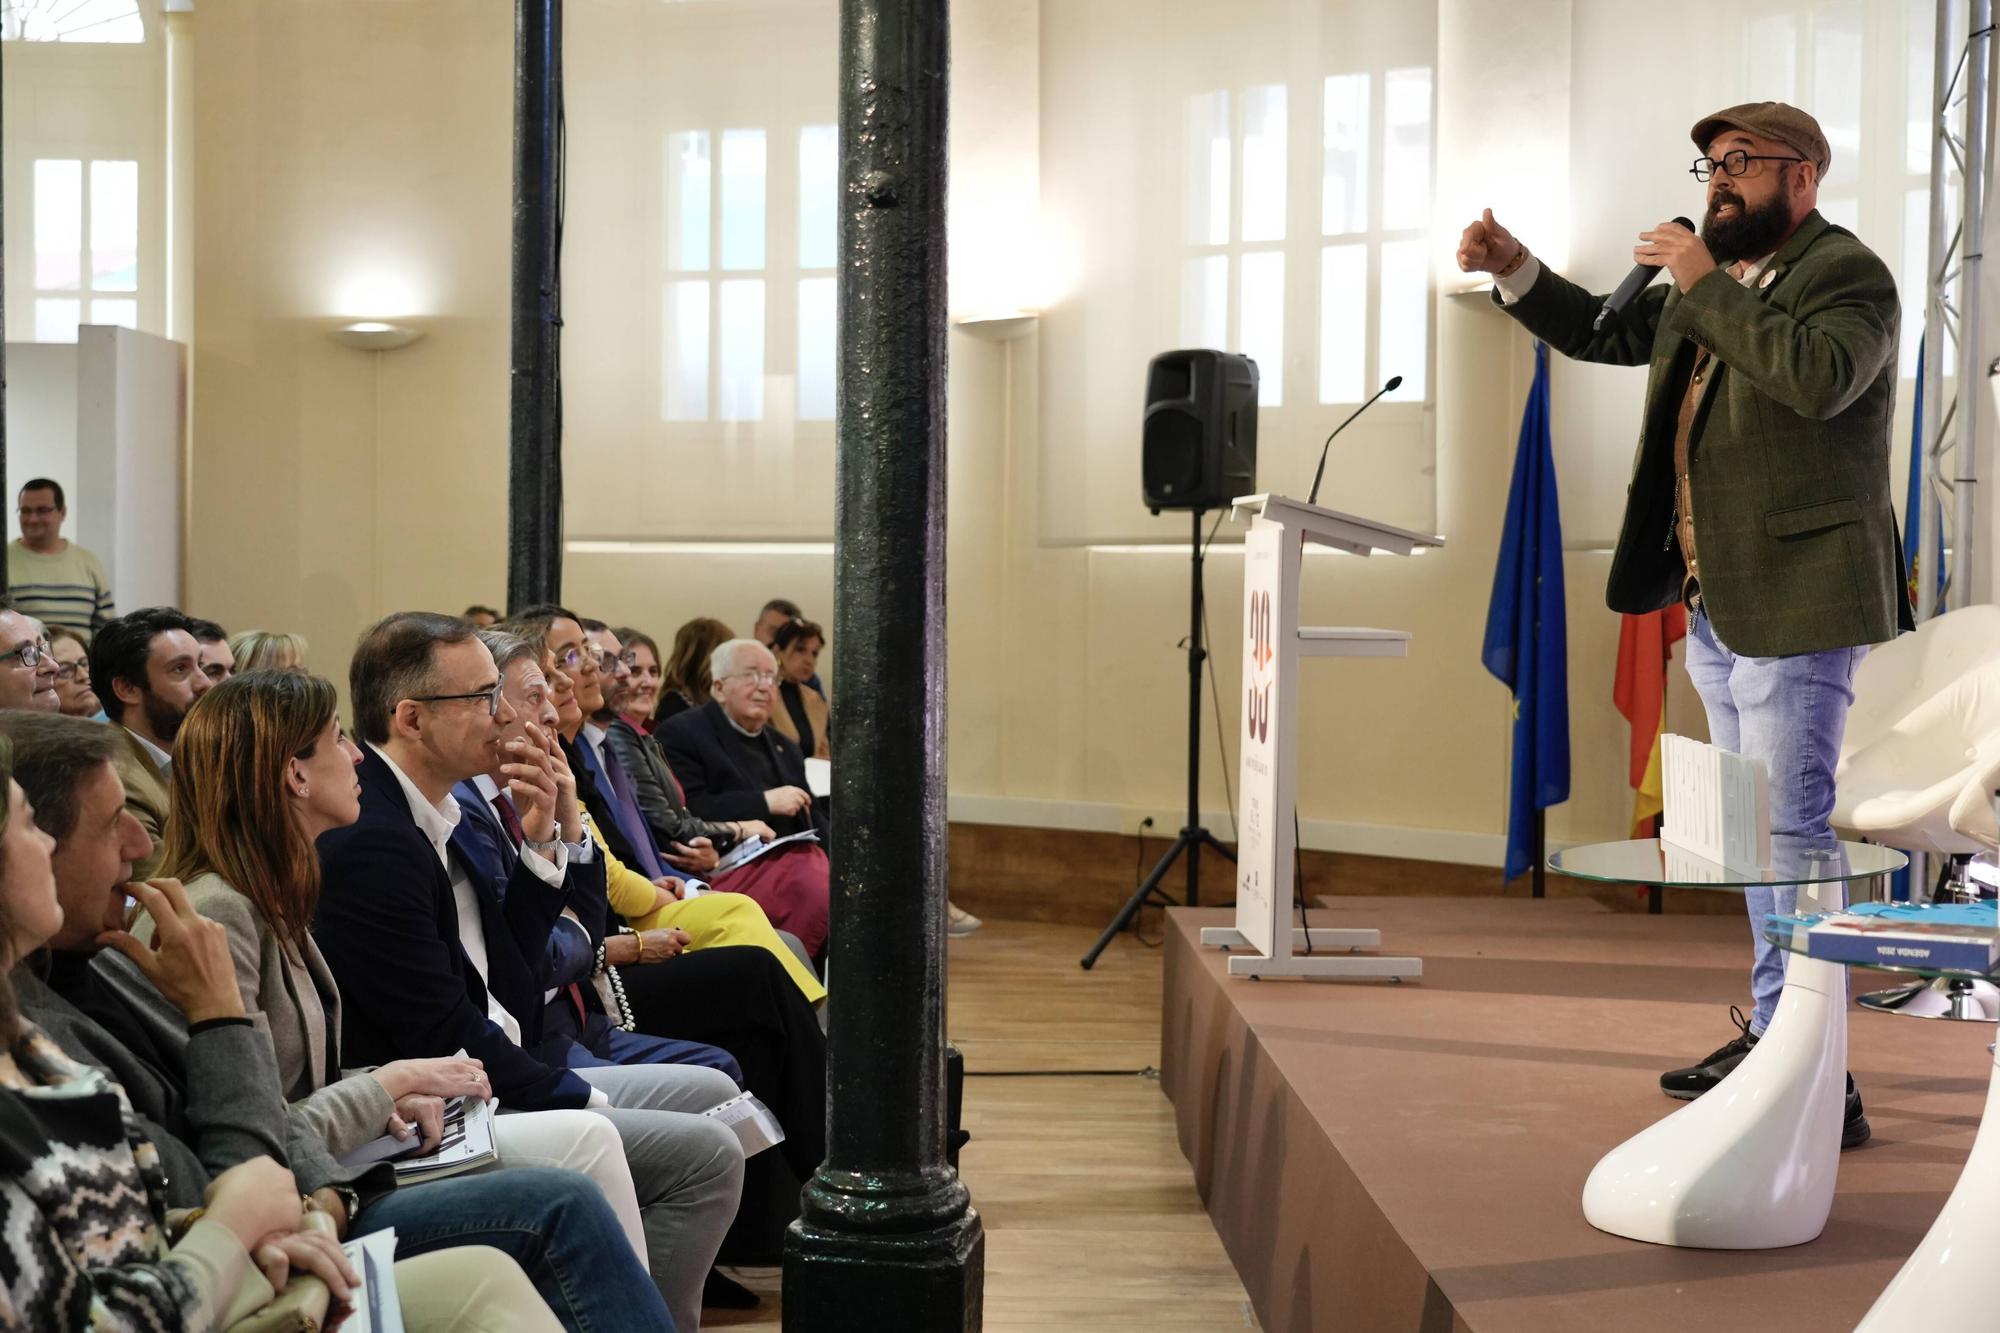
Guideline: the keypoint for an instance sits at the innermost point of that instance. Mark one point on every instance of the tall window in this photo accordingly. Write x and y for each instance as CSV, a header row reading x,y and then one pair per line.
x,y
71,21
1364,234
748,257
86,245
1375,202
1233,278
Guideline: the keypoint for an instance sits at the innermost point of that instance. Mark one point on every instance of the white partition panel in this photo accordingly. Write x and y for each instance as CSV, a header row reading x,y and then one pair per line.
x,y
130,452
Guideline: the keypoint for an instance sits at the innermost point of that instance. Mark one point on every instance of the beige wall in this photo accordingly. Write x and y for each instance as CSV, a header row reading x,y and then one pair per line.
x,y
344,143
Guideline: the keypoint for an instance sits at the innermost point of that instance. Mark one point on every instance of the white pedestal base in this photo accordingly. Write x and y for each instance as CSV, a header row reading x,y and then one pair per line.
x,y
1951,1281
1336,966
1751,1164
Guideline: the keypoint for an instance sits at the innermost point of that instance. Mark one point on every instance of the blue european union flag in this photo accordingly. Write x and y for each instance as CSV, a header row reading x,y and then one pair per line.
x,y
1527,638
1915,562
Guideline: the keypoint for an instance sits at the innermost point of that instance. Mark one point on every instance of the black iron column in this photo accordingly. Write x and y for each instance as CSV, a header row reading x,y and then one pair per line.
x,y
887,1237
534,424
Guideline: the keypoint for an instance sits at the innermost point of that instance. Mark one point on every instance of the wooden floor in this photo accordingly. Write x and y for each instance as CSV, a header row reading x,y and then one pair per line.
x,y
1092,1221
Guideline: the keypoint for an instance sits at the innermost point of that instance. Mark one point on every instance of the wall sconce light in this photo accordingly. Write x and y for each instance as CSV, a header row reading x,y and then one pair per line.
x,y
373,335
998,325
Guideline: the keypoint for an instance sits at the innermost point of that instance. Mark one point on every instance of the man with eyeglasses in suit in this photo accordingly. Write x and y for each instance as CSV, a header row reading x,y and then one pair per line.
x,y
1760,494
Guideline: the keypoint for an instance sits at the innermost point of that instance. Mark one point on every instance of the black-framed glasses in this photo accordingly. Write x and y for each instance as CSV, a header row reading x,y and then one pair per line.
x,y
1732,163
31,653
491,695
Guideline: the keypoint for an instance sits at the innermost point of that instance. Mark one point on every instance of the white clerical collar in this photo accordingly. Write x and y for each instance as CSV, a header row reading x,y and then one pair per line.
x,y
740,729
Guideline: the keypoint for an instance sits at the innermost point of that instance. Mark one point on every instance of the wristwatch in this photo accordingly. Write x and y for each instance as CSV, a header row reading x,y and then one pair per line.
x,y
545,850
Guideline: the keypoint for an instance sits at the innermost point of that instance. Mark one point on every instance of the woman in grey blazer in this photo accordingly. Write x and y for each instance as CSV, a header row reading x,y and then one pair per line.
x,y
261,769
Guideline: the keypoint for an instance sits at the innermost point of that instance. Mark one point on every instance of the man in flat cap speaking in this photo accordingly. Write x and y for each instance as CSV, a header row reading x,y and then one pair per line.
x,y
1760,494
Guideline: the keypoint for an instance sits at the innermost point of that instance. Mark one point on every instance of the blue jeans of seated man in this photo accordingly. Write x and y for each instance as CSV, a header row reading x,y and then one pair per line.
x,y
1789,712
554,1224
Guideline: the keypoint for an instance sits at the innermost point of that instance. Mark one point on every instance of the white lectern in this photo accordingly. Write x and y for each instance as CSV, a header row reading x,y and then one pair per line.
x,y
1273,644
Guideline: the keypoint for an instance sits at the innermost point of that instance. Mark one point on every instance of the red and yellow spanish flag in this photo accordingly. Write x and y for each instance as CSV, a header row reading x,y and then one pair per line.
x,y
1645,646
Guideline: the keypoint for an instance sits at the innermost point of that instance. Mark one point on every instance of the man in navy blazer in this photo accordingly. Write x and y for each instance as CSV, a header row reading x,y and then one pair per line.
x,y
574,1031
429,966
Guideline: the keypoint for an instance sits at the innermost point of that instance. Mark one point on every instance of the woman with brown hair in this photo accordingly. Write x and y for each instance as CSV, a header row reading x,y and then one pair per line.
x,y
642,691
684,679
802,713
262,767
89,1242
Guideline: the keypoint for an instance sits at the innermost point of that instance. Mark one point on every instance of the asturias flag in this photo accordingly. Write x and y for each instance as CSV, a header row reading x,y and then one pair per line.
x,y
1645,645
1527,640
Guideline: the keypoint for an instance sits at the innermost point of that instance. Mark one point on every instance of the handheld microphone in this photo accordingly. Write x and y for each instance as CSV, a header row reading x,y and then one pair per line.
x,y
1635,282
1395,381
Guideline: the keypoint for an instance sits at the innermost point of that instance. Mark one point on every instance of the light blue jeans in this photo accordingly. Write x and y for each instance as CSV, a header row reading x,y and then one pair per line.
x,y
1789,712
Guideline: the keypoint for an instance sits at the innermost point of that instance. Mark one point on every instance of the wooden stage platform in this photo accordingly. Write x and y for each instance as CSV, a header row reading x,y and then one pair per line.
x,y
1384,1157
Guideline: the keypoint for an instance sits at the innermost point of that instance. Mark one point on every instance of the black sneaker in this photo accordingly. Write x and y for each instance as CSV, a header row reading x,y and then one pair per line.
x,y
1856,1131
1684,1085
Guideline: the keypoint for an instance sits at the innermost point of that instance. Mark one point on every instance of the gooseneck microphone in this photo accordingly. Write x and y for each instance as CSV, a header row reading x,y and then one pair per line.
x,y
1395,381
1635,282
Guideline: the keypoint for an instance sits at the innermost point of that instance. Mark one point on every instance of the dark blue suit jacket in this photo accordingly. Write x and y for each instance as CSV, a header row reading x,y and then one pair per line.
x,y
389,929
715,785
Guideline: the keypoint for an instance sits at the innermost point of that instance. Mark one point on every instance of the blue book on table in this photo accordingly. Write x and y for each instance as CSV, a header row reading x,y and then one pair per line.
x,y
1946,937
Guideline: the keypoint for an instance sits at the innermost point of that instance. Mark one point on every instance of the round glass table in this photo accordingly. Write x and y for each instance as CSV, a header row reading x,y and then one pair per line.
x,y
1949,1281
1751,1164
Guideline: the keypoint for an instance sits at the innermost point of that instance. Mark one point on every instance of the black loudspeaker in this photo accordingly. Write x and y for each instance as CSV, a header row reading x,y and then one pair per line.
x,y
1199,446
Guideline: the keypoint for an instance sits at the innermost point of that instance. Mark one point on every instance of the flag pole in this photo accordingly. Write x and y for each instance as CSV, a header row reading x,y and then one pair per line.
x,y
1540,864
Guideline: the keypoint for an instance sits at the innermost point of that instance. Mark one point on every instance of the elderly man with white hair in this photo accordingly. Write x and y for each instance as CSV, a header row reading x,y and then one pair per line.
x,y
734,766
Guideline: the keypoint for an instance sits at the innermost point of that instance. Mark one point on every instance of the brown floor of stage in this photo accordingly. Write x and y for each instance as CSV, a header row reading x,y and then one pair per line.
x,y
1092,1220
1411,1156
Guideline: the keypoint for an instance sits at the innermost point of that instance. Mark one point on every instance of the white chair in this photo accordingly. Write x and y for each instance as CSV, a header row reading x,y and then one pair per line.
x,y
1921,751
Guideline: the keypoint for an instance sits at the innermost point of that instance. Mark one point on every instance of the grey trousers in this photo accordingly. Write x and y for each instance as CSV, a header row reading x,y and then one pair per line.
x,y
686,1169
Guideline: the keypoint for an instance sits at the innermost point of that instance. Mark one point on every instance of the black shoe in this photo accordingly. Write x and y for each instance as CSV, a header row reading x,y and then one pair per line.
x,y
1684,1085
1856,1131
726,1293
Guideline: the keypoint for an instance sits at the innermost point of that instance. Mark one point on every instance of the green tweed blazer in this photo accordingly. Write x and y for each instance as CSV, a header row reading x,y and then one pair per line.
x,y
1789,452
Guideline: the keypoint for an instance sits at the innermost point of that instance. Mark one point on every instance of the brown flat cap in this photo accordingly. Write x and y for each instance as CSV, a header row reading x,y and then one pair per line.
x,y
1773,120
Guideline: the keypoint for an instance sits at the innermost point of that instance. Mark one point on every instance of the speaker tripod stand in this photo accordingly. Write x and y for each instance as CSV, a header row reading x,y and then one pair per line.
x,y
1193,837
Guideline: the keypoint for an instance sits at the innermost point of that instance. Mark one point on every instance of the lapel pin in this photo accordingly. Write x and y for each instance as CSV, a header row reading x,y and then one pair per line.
x,y
1770,276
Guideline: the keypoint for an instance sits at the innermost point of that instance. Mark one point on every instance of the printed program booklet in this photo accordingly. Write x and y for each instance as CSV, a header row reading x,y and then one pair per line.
x,y
1947,937
467,1143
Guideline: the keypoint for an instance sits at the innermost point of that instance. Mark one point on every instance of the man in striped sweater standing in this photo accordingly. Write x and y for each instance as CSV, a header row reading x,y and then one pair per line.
x,y
50,578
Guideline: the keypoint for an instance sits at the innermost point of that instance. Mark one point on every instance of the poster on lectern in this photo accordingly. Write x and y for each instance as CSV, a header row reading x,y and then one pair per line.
x,y
1264,831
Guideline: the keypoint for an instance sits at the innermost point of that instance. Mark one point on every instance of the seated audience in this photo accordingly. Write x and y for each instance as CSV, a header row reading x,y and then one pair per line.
x,y
658,903
684,678
642,692
27,669
263,768
72,1269
150,666
803,715
74,697
431,964
482,617
777,613
733,766
267,650
50,577
218,660
765,1024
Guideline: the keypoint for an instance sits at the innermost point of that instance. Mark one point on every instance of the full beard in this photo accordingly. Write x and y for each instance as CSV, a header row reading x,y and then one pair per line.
x,y
1748,233
164,718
